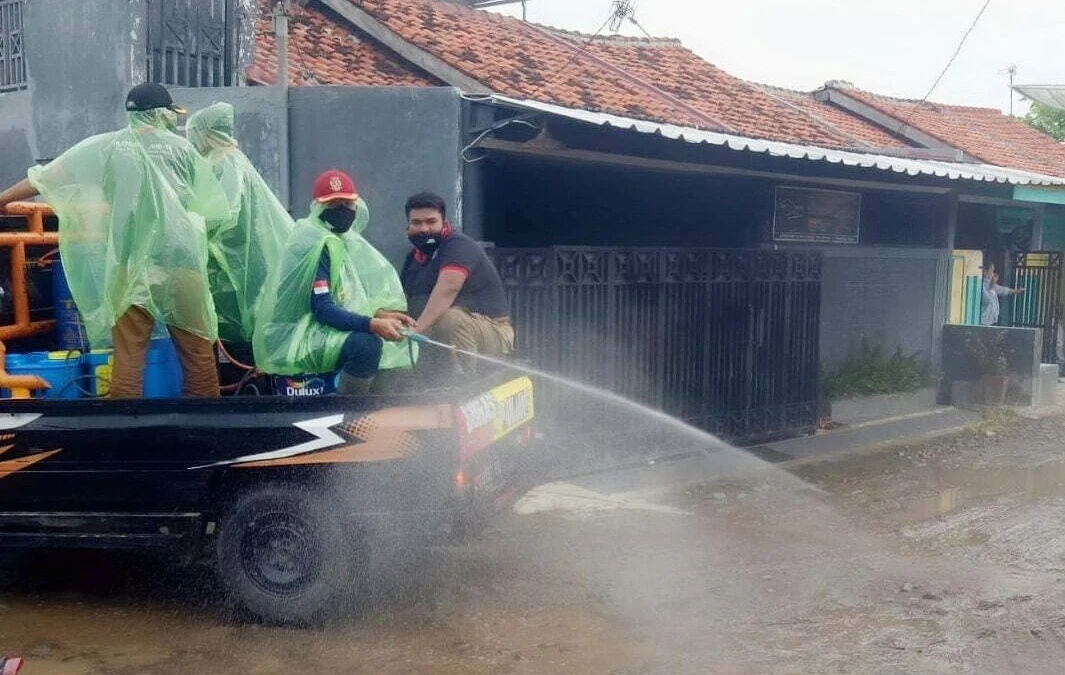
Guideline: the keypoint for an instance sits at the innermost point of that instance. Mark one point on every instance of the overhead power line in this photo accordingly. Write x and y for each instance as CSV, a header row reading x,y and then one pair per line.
x,y
572,57
950,62
639,25
620,10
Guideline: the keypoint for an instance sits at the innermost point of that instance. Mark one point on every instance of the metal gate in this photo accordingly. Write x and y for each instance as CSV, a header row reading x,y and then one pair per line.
x,y
12,58
724,339
1039,274
192,43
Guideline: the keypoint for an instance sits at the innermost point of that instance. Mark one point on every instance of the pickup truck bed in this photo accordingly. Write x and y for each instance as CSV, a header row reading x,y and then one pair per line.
x,y
283,494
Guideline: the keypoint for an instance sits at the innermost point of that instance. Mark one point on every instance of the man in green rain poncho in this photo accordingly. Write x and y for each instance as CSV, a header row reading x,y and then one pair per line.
x,y
251,243
135,207
383,294
314,316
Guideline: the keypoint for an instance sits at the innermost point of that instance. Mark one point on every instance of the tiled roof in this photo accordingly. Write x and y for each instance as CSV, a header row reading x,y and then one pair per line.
x,y
879,161
323,50
984,133
515,58
856,128
742,107
650,79
657,80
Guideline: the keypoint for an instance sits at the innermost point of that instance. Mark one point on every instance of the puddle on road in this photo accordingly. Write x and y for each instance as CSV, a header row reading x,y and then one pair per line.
x,y
961,487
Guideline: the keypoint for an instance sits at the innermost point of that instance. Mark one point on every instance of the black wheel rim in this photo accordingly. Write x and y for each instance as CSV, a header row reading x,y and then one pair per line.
x,y
280,555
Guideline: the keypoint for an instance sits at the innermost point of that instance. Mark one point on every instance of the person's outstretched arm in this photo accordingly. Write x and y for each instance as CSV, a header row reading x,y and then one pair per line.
x,y
18,192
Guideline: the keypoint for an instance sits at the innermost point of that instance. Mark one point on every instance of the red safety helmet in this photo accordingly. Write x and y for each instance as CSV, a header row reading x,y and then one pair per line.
x,y
334,184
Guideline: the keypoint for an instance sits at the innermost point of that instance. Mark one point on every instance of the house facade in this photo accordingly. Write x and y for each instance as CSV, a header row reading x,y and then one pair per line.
x,y
803,222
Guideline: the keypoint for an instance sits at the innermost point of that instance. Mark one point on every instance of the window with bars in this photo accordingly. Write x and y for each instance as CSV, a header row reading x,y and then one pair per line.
x,y
12,55
191,43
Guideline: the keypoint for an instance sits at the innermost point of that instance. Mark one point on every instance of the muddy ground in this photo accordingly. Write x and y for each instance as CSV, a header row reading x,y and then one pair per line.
x,y
944,557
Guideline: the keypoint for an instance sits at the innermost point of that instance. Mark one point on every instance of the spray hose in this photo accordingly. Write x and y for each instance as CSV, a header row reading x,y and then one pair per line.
x,y
415,337
423,340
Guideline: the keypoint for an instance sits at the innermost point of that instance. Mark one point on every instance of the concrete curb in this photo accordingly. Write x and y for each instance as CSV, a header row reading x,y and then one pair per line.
x,y
866,409
884,420
874,448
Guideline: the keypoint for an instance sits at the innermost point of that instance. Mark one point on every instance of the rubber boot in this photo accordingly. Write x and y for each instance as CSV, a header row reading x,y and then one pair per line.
x,y
349,385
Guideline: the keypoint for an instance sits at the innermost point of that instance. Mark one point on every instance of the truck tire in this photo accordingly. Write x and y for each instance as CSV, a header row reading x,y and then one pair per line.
x,y
283,556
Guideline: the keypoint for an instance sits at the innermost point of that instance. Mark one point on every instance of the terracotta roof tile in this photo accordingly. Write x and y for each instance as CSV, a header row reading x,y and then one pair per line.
x,y
846,123
742,107
324,50
657,80
653,79
984,133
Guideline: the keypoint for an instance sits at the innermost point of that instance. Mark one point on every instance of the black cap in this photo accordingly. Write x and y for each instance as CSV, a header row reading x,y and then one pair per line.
x,y
149,96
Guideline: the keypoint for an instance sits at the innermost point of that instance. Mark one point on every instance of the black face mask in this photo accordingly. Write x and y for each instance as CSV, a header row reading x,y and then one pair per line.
x,y
339,218
425,242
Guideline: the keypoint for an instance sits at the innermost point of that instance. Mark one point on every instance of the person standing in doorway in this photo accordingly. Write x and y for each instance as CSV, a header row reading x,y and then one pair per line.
x,y
992,291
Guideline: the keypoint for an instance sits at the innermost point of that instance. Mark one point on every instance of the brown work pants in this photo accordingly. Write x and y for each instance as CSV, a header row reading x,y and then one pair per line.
x,y
131,335
473,333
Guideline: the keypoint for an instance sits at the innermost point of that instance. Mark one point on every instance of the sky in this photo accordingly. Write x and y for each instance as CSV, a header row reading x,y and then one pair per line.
x,y
894,47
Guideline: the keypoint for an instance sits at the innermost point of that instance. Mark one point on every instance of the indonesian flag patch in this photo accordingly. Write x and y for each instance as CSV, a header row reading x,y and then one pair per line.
x,y
320,287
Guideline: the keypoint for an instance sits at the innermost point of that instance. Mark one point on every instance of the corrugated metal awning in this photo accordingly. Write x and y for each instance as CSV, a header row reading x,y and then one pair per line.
x,y
987,173
1050,95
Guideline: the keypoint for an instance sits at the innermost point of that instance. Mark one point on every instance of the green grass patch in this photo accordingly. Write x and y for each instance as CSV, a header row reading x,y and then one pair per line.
x,y
873,371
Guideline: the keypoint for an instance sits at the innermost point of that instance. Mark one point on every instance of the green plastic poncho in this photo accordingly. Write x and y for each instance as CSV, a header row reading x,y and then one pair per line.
x,y
242,253
288,340
381,287
134,209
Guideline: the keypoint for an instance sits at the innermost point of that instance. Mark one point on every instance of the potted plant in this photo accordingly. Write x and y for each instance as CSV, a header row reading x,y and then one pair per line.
x,y
988,348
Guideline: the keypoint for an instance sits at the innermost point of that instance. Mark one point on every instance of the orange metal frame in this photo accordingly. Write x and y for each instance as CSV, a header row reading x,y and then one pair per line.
x,y
35,213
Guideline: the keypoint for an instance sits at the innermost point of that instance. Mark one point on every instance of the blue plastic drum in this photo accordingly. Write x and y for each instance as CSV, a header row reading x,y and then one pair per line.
x,y
70,331
61,370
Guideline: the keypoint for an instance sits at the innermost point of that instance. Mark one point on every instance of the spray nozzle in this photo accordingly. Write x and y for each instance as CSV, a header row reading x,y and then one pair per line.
x,y
423,339
414,337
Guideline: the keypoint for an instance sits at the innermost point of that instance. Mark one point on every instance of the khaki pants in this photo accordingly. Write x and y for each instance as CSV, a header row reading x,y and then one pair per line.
x,y
473,333
131,335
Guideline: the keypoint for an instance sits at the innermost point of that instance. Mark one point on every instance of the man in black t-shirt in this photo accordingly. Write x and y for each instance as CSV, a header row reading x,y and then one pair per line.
x,y
452,287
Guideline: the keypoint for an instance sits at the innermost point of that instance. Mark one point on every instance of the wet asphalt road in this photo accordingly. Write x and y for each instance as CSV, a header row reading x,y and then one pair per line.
x,y
947,557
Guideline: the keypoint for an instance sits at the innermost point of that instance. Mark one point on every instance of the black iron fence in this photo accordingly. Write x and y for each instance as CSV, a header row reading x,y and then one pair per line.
x,y
1039,274
724,339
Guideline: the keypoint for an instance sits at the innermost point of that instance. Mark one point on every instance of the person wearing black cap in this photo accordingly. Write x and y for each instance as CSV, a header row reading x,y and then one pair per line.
x,y
134,208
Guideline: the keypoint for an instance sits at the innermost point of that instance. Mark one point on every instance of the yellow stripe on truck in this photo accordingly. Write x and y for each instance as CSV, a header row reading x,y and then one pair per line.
x,y
495,413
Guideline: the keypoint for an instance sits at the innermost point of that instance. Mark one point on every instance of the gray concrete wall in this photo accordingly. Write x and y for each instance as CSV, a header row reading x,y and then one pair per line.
x,y
261,127
892,296
18,141
964,349
394,141
80,58
80,63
